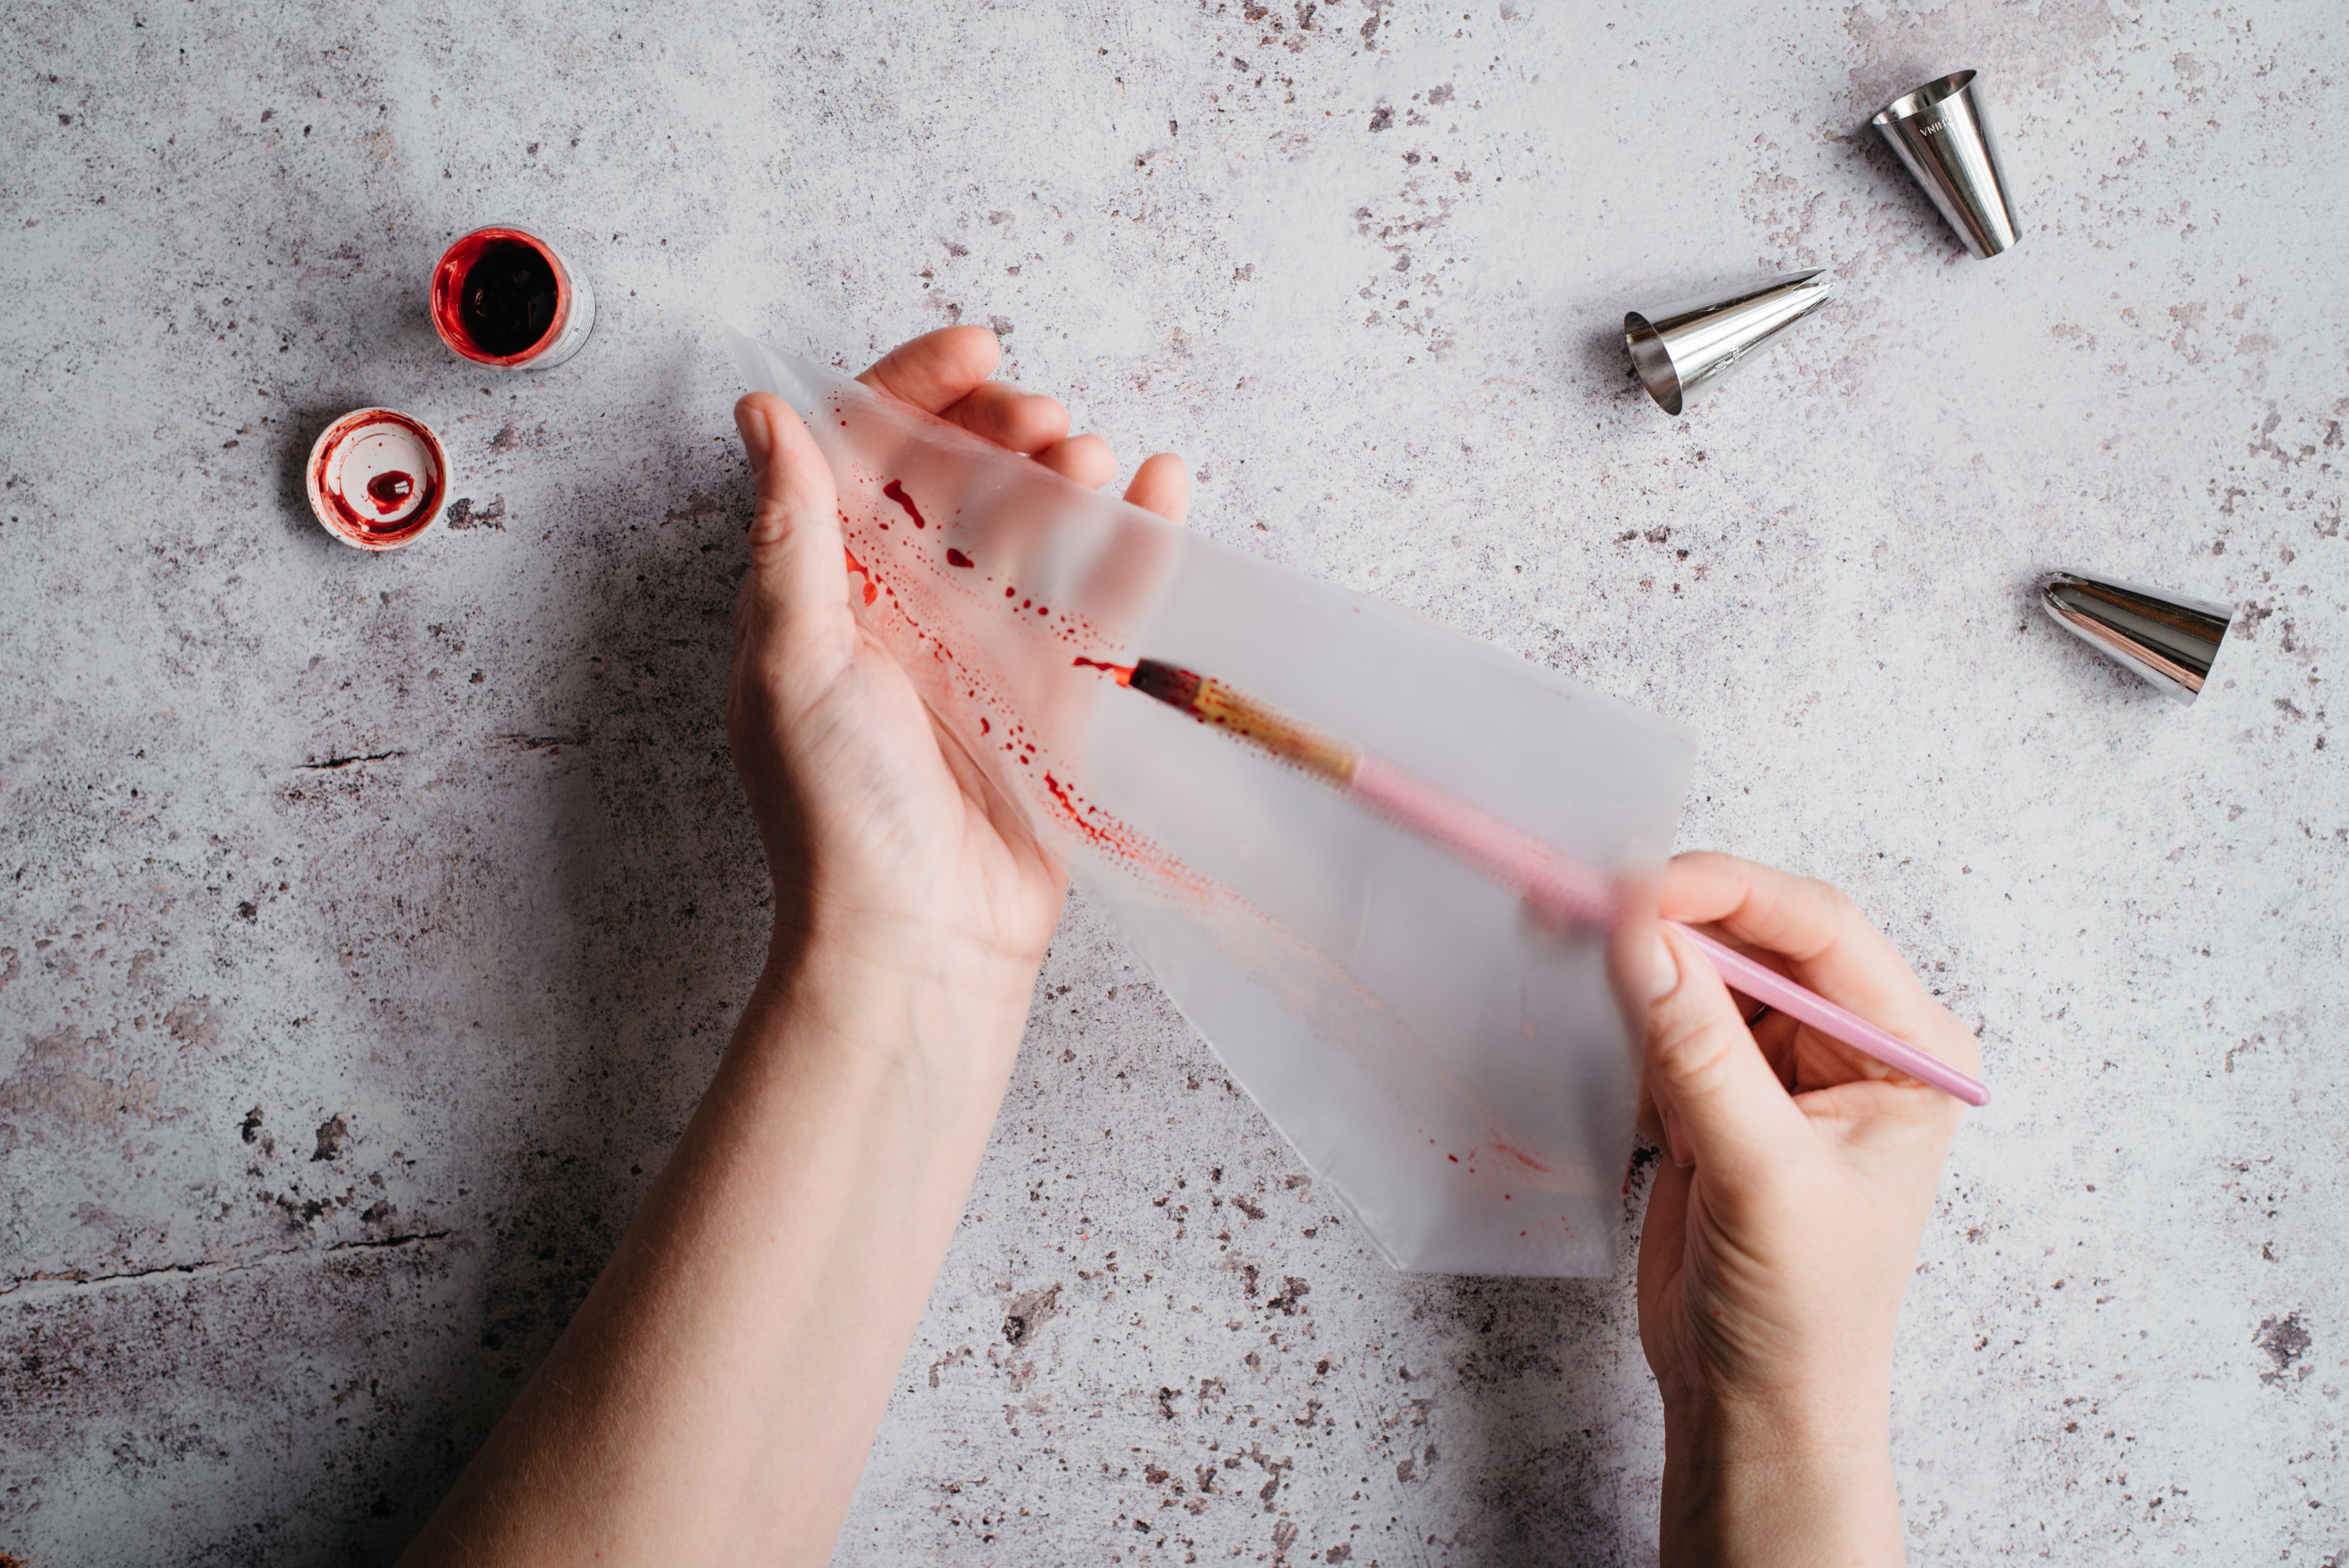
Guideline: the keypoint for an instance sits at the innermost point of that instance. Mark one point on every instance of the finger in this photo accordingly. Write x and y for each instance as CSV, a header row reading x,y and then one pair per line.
x,y
1086,459
1734,1115
1023,421
797,566
1125,574
1828,945
1160,485
939,369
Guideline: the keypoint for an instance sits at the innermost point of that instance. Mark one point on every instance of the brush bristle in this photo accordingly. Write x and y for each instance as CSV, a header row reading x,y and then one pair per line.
x,y
1220,707
1174,687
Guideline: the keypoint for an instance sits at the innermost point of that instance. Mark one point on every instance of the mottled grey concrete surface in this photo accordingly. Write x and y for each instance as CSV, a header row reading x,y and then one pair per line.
x,y
368,927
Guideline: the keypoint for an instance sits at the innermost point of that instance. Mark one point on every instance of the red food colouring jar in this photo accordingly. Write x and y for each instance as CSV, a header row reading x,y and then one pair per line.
x,y
503,297
377,478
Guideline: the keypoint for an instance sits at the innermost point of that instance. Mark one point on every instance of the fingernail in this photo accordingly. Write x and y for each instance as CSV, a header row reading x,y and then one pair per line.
x,y
1665,975
758,435
1676,1138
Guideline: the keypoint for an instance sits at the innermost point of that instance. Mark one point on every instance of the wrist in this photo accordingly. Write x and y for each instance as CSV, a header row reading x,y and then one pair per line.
x,y
921,1000
1768,1481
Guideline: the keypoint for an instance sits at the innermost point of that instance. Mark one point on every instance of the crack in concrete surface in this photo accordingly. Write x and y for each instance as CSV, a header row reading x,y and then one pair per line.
x,y
333,763
76,1280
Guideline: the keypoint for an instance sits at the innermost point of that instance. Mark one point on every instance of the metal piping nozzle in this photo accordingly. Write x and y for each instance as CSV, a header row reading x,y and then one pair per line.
x,y
1688,348
1939,133
2167,638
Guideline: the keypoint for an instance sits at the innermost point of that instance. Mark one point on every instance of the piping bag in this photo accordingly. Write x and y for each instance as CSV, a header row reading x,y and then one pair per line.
x,y
1452,1066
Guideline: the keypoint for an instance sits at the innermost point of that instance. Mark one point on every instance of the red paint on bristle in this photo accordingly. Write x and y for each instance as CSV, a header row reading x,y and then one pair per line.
x,y
1174,687
1122,674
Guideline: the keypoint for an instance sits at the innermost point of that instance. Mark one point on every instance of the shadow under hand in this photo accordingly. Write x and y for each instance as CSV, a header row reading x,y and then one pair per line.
x,y
1555,1421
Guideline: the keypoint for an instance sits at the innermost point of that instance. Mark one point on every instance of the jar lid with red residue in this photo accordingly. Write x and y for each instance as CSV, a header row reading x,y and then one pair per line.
x,y
377,478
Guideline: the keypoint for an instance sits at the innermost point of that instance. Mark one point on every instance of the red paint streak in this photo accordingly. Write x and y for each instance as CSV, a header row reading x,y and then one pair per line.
x,y
1061,793
1522,1158
897,492
1454,1158
857,568
984,727
389,488
1122,674
956,557
1114,839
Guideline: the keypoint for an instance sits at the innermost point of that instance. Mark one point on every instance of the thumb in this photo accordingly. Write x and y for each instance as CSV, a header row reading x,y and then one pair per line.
x,y
798,563
1702,1064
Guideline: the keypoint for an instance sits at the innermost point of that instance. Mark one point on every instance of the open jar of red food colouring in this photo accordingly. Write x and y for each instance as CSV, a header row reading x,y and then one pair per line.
x,y
377,478
502,296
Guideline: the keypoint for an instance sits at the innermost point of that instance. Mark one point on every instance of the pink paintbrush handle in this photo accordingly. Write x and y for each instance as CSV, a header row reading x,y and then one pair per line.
x,y
1560,886
1766,985
1509,856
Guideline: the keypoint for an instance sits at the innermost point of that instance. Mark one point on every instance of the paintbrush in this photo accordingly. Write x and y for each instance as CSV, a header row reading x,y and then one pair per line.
x,y
1553,884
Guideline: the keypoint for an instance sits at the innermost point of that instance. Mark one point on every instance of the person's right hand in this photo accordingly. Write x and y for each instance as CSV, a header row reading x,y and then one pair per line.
x,y
1781,1231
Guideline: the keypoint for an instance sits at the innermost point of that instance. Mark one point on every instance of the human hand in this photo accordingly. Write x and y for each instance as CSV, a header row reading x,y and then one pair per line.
x,y
881,833
1782,1229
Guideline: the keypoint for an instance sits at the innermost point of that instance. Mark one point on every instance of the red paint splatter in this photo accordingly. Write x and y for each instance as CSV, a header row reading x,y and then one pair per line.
x,y
858,568
389,488
1454,1158
984,727
1122,674
897,492
957,558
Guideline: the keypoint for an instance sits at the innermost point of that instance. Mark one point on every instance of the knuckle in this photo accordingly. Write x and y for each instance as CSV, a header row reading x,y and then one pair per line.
x,y
1836,901
1687,1043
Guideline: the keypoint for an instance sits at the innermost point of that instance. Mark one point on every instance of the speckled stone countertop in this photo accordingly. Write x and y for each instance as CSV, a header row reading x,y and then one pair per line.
x,y
369,926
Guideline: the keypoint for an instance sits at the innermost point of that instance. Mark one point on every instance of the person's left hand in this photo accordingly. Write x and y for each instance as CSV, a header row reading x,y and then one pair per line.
x,y
881,834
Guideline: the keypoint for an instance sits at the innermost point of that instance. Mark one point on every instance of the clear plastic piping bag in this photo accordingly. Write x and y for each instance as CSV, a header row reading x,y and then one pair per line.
x,y
1454,1069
